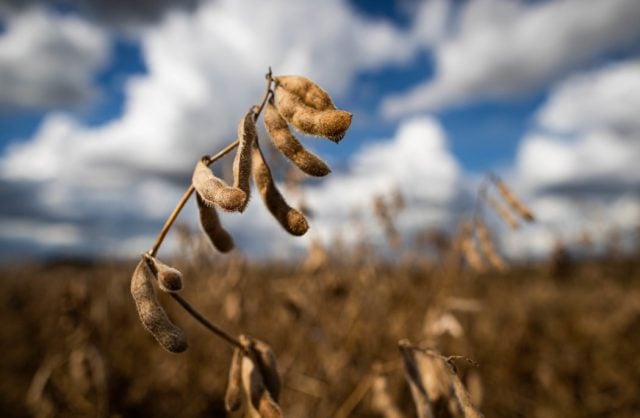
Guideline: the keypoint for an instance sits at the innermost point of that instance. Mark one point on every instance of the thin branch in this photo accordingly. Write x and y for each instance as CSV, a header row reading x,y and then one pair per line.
x,y
176,211
170,220
447,359
209,160
267,93
183,201
204,321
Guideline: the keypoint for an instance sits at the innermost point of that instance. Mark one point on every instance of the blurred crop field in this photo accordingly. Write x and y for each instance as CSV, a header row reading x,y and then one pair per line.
x,y
553,339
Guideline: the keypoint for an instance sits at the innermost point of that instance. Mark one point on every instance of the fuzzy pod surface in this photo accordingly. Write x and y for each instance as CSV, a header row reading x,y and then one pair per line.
x,y
151,314
331,123
215,192
290,146
169,278
210,222
291,219
309,92
247,134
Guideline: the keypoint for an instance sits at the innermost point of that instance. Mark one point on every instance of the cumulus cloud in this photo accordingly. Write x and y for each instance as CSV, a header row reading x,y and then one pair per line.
x,y
606,99
502,48
578,167
107,189
49,60
588,136
416,161
205,69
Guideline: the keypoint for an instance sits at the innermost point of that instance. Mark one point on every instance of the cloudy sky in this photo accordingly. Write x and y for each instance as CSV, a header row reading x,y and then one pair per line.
x,y
105,107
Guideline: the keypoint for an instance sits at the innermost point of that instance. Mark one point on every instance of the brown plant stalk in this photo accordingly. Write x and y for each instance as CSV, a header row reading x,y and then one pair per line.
x,y
176,211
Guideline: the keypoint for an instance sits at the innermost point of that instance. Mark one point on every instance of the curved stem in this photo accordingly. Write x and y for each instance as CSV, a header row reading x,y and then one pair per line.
x,y
210,160
176,211
183,201
204,321
267,93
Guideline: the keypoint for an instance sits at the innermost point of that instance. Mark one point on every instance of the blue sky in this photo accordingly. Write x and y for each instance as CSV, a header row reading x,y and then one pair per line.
x,y
105,109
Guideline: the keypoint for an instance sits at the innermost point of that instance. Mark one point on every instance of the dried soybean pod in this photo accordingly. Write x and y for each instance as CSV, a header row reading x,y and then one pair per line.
x,y
291,220
210,221
513,200
233,395
242,163
289,145
260,401
331,124
502,212
268,366
309,92
487,247
462,396
471,254
169,278
152,316
435,377
412,374
214,191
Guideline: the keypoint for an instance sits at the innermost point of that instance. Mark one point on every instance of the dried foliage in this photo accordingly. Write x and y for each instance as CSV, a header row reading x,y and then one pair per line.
x,y
328,327
511,199
488,248
502,212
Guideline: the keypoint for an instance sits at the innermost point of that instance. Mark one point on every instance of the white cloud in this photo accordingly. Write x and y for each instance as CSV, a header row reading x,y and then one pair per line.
x,y
118,181
431,22
205,69
589,135
502,48
579,167
416,160
595,160
605,99
49,60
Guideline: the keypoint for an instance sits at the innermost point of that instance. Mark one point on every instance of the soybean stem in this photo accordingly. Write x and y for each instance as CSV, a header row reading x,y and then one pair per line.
x,y
204,321
176,211
183,201
210,160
